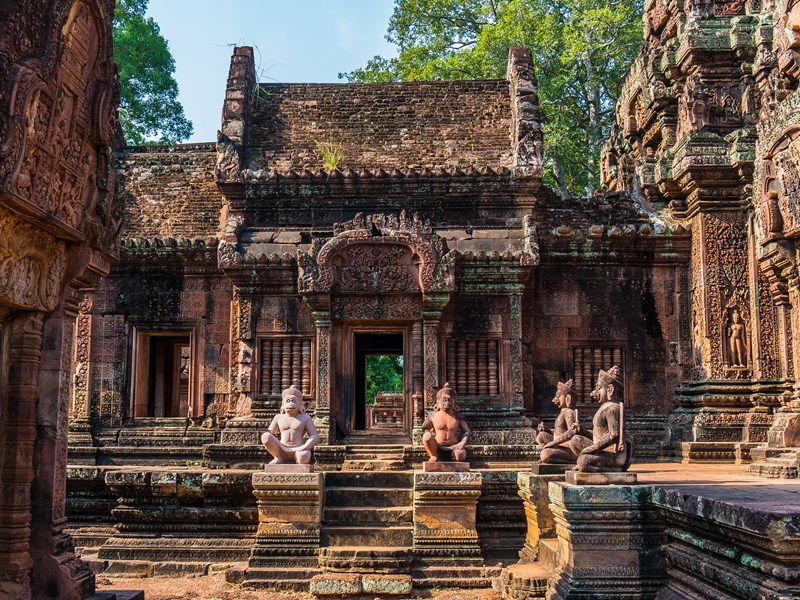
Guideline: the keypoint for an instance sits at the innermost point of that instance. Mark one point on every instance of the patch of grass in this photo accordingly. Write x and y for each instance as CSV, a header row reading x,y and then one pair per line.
x,y
332,154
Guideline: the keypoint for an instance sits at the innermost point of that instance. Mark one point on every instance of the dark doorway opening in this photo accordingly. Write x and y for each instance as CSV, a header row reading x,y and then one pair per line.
x,y
163,370
378,362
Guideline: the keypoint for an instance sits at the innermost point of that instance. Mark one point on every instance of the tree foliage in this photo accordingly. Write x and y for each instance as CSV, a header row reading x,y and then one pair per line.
x,y
149,109
384,373
582,50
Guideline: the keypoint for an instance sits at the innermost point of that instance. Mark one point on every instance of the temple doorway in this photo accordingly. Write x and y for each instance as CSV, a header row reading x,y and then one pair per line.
x,y
374,385
379,382
162,385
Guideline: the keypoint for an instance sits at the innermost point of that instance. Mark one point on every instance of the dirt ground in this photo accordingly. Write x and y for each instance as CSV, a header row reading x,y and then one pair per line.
x,y
216,588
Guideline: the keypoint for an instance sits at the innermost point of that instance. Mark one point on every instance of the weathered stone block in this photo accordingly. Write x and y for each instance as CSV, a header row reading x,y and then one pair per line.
x,y
336,584
580,478
390,585
533,489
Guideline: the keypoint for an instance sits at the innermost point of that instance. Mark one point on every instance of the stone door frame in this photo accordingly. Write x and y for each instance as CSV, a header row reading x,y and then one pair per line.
x,y
344,333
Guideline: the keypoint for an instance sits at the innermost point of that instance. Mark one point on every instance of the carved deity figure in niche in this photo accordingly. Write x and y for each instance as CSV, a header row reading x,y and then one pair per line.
x,y
554,445
291,425
736,337
440,436
607,450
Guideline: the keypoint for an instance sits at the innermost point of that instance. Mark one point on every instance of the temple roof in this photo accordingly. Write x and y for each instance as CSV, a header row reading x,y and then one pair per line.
x,y
170,192
439,124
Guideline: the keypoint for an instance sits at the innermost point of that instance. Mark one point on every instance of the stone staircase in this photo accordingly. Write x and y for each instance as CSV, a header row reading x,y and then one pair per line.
x,y
775,463
374,457
367,522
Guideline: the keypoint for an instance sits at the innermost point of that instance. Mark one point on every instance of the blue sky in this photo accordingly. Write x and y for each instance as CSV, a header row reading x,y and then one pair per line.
x,y
295,41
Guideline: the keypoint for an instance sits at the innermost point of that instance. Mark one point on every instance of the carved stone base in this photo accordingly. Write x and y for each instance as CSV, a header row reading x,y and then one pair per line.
x,y
445,506
288,468
615,478
546,469
609,539
445,467
535,498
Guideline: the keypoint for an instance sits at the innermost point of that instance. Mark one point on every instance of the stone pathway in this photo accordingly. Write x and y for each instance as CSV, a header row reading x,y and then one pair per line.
x,y
216,588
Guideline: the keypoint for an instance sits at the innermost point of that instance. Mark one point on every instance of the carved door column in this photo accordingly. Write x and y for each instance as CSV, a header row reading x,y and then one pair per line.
x,y
16,471
242,349
515,350
417,374
433,304
79,420
320,306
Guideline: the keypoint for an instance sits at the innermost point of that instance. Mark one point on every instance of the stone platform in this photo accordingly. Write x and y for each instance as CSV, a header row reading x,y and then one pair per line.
x,y
713,527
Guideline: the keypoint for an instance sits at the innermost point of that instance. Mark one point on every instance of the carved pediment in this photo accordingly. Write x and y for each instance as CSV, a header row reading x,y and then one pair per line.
x,y
377,253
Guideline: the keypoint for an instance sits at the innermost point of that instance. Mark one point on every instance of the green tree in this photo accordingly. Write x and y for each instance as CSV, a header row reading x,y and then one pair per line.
x,y
582,50
384,373
149,110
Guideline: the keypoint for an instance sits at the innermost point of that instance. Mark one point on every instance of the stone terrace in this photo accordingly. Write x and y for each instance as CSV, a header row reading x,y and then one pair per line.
x,y
442,124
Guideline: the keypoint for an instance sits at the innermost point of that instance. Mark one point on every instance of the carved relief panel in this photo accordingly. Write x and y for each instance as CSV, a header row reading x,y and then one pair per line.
x,y
61,169
721,283
32,265
376,268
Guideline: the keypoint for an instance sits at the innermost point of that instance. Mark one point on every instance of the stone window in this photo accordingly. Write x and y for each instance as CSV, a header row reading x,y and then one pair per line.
x,y
284,361
587,362
162,374
472,366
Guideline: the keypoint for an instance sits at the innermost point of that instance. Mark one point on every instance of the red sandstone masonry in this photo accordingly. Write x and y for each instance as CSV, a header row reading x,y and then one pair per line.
x,y
386,125
170,192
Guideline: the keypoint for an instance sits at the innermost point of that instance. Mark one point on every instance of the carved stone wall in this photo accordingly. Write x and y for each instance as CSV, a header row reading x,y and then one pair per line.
x,y
58,224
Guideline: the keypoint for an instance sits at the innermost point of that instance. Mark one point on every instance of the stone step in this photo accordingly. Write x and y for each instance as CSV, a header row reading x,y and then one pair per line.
x,y
360,515
367,496
365,560
284,580
373,464
377,480
379,535
548,553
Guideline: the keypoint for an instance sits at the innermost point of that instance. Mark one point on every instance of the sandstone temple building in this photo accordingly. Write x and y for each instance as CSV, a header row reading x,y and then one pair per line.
x,y
155,302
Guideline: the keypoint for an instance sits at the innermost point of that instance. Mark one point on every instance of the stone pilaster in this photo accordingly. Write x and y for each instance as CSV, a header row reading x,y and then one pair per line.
x,y
56,567
445,505
608,542
19,428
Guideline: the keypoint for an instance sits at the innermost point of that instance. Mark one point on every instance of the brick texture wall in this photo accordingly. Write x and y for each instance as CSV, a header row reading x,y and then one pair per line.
x,y
170,193
386,125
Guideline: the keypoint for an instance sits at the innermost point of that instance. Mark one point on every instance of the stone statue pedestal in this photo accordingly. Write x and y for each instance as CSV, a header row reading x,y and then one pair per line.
x,y
534,493
610,478
289,516
779,458
445,537
288,468
547,469
445,467
608,542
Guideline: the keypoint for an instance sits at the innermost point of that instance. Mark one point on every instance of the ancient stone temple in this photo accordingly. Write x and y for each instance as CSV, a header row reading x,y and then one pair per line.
x,y
58,220
333,223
